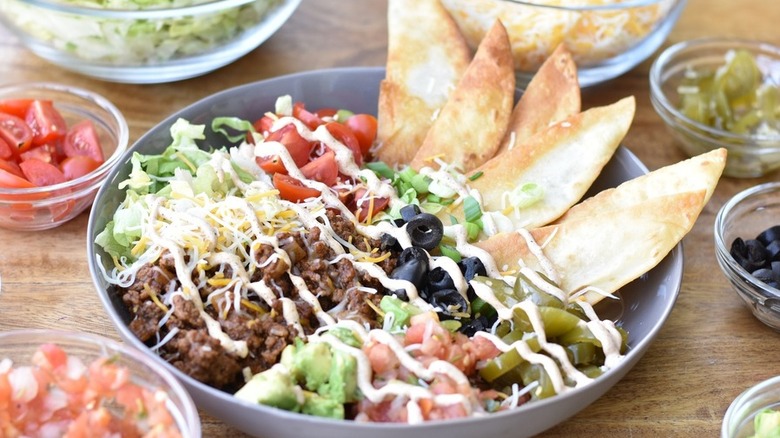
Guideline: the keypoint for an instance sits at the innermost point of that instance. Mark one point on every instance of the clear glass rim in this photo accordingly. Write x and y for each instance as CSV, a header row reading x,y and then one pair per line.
x,y
659,67
736,406
208,7
628,4
88,181
721,248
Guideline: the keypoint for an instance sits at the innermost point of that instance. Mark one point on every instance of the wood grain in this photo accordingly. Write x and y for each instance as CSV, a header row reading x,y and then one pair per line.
x,y
710,349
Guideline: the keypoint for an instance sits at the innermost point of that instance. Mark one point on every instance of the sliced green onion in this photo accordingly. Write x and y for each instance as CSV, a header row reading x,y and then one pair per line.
x,y
342,115
525,195
476,176
451,252
381,169
447,201
472,230
433,198
454,220
420,183
407,174
471,209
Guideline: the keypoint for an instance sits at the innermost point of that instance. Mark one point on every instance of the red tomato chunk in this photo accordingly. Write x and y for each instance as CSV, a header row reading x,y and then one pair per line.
x,y
38,148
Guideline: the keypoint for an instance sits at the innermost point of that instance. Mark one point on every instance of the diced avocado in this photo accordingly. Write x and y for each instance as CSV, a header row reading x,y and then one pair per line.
x,y
346,336
767,424
401,311
315,404
311,364
342,382
273,387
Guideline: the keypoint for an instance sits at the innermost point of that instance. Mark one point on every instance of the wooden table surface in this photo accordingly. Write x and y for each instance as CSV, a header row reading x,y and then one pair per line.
x,y
710,349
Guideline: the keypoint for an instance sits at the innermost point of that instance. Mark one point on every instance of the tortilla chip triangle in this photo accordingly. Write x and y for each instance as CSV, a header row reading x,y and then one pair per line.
x,y
427,56
563,159
621,235
552,95
470,126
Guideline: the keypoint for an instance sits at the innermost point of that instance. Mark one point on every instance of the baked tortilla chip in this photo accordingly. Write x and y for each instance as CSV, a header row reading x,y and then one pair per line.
x,y
563,160
470,126
427,56
552,95
606,250
701,172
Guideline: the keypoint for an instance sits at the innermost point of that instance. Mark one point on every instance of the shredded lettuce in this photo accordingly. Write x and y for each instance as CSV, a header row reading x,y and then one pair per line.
x,y
135,41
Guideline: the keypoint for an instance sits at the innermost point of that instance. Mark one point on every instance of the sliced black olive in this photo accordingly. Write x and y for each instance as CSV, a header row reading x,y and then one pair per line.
x,y
449,301
776,267
773,250
412,271
400,294
471,267
479,324
409,211
413,253
388,243
425,230
439,279
750,254
769,235
399,222
767,276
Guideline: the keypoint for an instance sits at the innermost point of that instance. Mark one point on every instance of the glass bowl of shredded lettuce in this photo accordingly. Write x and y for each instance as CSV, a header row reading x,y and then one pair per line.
x,y
144,41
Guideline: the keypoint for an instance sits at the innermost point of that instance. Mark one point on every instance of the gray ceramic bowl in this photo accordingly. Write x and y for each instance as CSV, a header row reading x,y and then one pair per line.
x,y
645,305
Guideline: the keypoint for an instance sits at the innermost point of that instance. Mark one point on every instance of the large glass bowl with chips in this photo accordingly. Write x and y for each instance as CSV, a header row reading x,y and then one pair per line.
x,y
643,306
606,37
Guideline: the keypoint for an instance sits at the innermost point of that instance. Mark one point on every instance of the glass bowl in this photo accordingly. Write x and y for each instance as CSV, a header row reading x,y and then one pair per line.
x,y
740,416
20,347
606,39
746,215
144,42
749,155
46,207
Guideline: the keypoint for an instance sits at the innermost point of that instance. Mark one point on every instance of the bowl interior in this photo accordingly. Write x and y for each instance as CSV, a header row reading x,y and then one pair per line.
x,y
645,304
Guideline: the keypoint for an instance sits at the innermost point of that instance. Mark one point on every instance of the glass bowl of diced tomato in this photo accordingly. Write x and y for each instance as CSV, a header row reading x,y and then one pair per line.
x,y
57,145
66,383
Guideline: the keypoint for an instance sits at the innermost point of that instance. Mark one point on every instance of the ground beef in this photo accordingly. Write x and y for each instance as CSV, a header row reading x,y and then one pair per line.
x,y
263,328
202,357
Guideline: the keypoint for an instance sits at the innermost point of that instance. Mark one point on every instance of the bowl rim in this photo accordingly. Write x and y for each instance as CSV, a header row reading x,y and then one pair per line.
x,y
661,63
85,182
628,4
722,250
198,7
189,413
736,406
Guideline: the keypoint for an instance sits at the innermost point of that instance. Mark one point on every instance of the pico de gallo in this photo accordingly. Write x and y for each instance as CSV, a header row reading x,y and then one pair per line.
x,y
60,395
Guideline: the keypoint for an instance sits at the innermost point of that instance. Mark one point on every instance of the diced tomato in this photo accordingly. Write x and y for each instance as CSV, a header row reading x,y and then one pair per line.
x,y
15,132
46,153
299,147
11,180
11,166
6,151
78,166
41,173
293,190
326,112
263,124
364,128
364,207
308,118
343,134
323,169
50,357
271,165
45,121
15,107
82,139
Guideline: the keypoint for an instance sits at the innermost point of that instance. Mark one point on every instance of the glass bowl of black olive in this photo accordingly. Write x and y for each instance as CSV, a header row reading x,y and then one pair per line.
x,y
747,246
